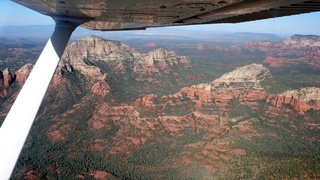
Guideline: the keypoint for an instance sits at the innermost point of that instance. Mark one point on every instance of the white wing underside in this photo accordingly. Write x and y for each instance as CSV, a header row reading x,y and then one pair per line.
x,y
141,14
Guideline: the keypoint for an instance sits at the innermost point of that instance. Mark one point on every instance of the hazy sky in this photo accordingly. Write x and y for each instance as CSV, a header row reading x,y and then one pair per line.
x,y
14,14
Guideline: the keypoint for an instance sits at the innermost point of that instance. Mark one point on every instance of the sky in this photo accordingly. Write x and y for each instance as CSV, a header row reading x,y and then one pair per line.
x,y
17,15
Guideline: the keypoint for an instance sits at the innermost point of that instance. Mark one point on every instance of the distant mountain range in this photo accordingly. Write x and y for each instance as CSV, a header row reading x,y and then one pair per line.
x,y
111,112
45,31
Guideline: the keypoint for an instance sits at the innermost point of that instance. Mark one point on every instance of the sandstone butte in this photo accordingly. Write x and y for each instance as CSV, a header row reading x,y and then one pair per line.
x,y
82,54
244,84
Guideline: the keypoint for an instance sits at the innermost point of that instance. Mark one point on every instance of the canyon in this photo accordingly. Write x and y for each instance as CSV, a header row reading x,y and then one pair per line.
x,y
111,112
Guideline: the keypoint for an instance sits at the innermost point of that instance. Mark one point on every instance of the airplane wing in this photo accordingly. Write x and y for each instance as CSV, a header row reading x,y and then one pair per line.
x,y
141,14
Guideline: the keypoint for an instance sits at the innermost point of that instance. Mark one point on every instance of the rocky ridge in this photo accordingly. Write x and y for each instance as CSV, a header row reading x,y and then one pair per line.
x,y
122,70
159,60
245,85
82,53
304,94
297,50
243,77
85,53
303,40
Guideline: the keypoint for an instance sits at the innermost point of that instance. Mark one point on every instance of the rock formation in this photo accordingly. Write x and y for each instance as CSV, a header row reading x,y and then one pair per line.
x,y
244,77
8,77
23,73
3,91
296,50
159,60
85,53
246,85
303,40
105,63
303,99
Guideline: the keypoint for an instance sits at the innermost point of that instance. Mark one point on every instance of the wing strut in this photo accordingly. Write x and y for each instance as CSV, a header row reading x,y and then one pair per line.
x,y
15,128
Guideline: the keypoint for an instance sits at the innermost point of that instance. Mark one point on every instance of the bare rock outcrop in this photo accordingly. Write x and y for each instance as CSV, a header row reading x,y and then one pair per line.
x,y
8,77
303,99
248,77
303,40
145,100
245,86
23,73
243,77
83,53
159,60
304,94
3,91
97,48
101,88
